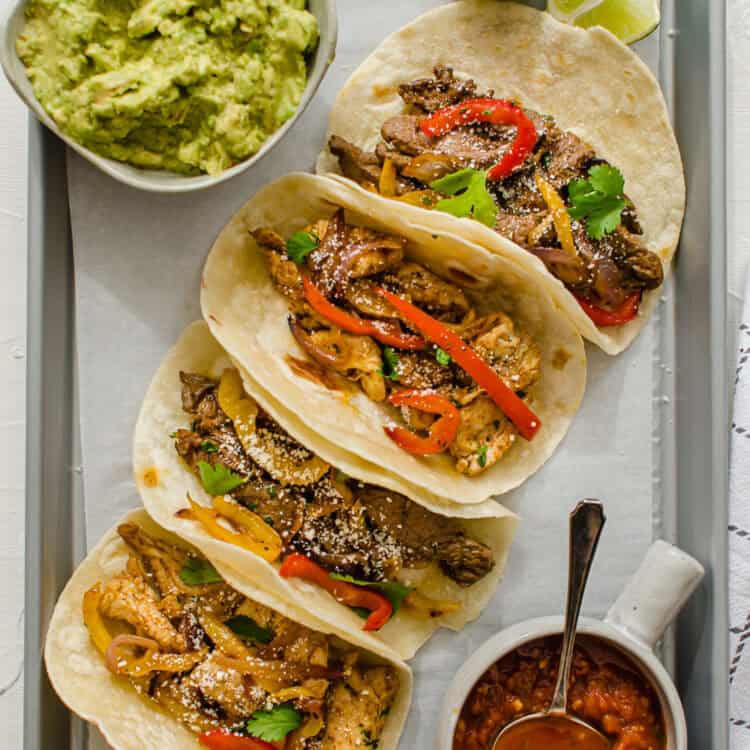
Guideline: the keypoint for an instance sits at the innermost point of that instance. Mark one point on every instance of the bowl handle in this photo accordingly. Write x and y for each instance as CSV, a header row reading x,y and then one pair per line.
x,y
656,593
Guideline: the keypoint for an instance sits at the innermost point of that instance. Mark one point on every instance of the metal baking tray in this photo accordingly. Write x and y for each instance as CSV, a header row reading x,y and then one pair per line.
x,y
691,430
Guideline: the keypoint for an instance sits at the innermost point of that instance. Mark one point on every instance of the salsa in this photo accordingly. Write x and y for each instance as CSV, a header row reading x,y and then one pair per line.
x,y
606,690
551,733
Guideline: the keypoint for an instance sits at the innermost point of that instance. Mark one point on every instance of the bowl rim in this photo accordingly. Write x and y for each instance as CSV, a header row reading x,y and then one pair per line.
x,y
513,636
144,179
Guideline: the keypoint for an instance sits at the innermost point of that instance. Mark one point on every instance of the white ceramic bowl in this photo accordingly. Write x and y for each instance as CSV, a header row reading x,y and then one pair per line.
x,y
161,181
634,624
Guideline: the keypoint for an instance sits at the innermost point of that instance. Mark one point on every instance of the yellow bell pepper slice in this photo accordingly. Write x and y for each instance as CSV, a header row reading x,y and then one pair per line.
x,y
92,619
208,518
248,521
387,182
560,215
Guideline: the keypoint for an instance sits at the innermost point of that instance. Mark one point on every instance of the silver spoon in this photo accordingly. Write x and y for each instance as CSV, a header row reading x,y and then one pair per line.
x,y
586,523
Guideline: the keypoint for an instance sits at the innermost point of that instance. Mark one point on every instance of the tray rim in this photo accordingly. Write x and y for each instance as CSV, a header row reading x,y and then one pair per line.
x,y
49,557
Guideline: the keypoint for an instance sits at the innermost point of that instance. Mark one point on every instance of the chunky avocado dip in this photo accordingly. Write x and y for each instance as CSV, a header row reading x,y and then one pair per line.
x,y
184,85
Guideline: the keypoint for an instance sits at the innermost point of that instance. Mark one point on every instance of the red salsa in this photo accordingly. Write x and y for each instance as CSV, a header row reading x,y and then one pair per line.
x,y
606,690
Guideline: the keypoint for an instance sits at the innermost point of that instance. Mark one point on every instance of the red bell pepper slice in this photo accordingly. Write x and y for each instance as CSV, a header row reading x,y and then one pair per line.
x,y
604,318
387,333
526,422
219,739
494,111
442,432
300,566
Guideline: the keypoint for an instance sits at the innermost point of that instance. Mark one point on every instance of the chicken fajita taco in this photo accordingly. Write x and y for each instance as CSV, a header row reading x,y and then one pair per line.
x,y
317,527
160,647
442,363
550,144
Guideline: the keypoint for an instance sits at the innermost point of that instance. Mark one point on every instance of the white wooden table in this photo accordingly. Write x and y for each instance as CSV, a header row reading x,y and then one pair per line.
x,y
13,126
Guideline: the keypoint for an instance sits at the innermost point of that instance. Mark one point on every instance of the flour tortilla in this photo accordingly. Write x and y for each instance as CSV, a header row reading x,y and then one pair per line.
x,y
164,480
591,83
249,319
128,720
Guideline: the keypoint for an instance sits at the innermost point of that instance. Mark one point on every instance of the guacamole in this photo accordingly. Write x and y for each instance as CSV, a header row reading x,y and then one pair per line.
x,y
185,85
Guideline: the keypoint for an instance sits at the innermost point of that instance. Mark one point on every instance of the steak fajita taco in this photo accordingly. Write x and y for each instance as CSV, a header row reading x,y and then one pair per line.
x,y
342,540
444,364
550,144
160,647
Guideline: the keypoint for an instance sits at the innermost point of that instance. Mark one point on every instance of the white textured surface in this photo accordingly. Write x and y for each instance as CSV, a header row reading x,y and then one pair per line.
x,y
12,406
13,325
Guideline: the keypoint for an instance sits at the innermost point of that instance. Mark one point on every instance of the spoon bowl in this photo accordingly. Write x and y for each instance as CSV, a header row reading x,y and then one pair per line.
x,y
551,732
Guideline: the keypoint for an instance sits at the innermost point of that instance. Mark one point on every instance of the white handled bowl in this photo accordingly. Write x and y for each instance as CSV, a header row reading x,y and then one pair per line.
x,y
650,601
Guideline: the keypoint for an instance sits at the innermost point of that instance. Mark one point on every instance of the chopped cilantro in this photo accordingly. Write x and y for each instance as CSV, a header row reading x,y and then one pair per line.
x,y
390,363
471,197
300,245
173,434
274,725
247,629
600,200
272,490
482,455
269,521
393,591
442,357
217,479
208,447
197,571
546,159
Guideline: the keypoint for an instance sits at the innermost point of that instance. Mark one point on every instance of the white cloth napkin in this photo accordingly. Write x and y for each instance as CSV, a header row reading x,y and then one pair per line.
x,y
739,541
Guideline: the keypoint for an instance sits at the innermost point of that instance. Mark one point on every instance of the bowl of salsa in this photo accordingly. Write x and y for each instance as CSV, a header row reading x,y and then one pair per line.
x,y
607,690
617,685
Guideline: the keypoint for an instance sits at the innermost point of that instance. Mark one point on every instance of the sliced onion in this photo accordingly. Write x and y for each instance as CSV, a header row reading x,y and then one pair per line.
x,y
113,658
429,166
318,353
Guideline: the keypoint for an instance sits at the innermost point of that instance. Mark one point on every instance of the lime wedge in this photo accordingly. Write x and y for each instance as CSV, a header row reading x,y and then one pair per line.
x,y
628,20
561,9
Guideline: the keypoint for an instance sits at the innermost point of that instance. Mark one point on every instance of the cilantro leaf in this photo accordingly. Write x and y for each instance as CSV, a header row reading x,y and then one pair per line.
x,y
393,591
197,571
471,197
209,447
300,245
607,179
247,629
599,199
217,479
274,725
390,363
482,455
442,357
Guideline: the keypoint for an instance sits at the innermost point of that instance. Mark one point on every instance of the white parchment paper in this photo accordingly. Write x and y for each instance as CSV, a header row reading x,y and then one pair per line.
x,y
138,259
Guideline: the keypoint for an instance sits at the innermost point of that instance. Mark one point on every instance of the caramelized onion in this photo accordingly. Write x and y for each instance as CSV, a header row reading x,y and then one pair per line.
x,y
113,656
318,353
276,675
429,166
570,269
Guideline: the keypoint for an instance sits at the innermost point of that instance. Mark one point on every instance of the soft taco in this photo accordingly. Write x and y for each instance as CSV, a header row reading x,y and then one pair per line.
x,y
551,144
161,648
444,364
307,522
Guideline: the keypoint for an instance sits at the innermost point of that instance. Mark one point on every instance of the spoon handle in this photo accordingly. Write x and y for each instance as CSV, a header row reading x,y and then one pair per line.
x,y
586,523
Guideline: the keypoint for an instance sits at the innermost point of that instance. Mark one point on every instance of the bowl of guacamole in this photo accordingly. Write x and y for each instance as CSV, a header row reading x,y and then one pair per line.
x,y
169,95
